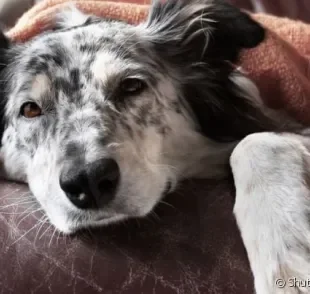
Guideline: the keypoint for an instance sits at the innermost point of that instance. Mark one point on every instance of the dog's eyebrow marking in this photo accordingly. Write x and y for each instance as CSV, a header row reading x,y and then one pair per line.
x,y
40,85
105,65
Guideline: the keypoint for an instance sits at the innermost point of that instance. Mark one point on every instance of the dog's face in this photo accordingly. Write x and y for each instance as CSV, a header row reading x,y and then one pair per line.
x,y
101,118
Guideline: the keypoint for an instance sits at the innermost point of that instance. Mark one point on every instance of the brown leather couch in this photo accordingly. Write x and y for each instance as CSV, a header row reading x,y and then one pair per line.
x,y
190,245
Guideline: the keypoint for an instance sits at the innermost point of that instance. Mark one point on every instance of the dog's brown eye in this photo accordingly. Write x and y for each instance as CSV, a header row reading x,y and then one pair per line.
x,y
30,110
132,85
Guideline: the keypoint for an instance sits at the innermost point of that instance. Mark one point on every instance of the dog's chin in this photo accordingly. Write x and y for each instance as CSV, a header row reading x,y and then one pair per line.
x,y
72,223
103,221
69,228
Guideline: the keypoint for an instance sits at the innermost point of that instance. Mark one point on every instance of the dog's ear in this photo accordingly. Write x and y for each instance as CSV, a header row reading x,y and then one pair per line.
x,y
200,40
5,44
201,29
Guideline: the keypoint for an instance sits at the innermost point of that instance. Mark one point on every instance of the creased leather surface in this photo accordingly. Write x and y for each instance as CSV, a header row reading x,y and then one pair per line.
x,y
190,246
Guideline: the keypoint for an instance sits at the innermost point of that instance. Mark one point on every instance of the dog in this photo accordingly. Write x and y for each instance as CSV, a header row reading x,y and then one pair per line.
x,y
102,118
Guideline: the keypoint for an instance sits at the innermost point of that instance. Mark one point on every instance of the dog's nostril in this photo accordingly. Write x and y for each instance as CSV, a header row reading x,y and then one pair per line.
x,y
81,200
108,186
70,187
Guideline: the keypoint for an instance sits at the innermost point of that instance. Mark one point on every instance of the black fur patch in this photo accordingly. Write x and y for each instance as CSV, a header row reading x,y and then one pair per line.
x,y
222,113
4,61
200,40
75,78
65,86
73,149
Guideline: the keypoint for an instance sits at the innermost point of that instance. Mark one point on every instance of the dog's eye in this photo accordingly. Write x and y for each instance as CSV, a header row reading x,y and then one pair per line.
x,y
132,86
30,110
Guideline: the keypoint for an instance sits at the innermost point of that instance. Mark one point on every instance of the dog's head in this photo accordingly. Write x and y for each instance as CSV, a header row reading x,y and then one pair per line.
x,y
101,118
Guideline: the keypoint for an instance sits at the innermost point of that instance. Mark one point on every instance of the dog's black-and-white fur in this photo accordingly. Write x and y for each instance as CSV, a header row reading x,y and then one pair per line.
x,y
121,113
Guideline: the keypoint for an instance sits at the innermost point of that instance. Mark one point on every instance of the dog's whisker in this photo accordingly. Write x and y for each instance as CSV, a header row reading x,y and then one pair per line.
x,y
47,229
25,210
167,204
27,215
19,213
43,220
155,216
40,210
90,233
16,200
26,233
4,196
20,203
58,236
24,194
50,243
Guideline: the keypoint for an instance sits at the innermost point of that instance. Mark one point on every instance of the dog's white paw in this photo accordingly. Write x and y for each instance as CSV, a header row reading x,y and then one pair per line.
x,y
271,173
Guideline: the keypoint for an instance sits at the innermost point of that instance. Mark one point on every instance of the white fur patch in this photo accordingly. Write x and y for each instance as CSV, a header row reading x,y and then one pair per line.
x,y
107,65
40,85
272,209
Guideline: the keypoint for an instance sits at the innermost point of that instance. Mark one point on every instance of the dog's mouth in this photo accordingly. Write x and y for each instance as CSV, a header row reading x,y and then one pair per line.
x,y
94,222
100,221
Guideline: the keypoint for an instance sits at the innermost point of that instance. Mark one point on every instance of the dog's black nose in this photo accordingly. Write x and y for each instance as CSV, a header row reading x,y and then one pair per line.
x,y
92,185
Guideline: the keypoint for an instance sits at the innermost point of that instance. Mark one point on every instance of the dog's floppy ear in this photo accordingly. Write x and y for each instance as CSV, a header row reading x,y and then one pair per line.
x,y
4,46
202,28
233,30
4,61
200,40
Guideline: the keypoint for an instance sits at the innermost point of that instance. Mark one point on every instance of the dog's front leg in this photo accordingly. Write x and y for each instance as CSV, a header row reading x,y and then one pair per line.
x,y
272,178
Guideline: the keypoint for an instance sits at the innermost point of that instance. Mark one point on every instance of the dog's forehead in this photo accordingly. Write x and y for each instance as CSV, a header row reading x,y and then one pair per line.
x,y
79,46
94,52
